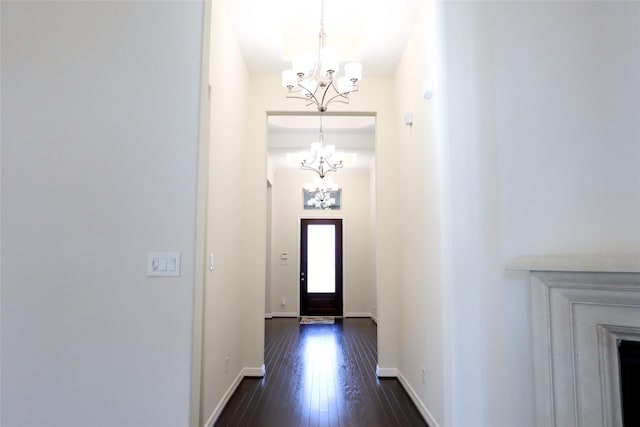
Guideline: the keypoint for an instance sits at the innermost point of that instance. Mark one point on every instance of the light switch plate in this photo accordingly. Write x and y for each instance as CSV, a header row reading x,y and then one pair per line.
x,y
163,264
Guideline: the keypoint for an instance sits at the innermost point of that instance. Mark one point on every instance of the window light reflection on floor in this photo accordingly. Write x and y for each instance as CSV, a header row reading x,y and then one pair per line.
x,y
320,372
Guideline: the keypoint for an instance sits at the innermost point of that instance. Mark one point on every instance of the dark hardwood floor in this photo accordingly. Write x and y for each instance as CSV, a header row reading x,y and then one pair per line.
x,y
320,375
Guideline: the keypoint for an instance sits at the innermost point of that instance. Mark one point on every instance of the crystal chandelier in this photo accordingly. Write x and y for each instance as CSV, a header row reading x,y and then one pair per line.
x,y
314,79
324,189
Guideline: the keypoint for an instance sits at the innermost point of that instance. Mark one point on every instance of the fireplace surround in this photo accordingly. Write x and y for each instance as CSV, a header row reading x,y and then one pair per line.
x,y
582,307
629,352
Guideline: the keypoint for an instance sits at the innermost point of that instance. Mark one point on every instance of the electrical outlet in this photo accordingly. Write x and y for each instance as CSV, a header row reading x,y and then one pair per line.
x,y
283,302
424,376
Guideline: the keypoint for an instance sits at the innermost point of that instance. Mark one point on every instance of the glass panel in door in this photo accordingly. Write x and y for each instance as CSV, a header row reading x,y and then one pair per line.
x,y
321,259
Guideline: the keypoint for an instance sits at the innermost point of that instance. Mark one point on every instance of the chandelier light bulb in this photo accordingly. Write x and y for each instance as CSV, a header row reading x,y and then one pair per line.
x,y
309,88
303,63
330,61
345,85
316,147
353,71
289,79
306,156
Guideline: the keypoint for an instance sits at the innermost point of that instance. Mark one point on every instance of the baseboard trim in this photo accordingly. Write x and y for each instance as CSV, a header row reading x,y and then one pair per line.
x,y
294,314
254,372
357,314
225,399
386,372
424,411
245,372
284,314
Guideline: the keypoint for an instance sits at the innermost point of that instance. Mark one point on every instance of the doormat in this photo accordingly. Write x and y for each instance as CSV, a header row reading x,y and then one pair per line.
x,y
317,320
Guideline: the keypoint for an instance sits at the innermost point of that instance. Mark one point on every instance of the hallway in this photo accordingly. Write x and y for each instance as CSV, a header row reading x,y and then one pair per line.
x,y
320,375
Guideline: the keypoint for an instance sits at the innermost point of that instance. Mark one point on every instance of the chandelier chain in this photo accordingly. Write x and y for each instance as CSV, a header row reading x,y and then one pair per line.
x,y
321,16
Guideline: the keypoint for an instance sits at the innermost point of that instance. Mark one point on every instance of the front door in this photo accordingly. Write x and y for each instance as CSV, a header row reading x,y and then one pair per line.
x,y
321,267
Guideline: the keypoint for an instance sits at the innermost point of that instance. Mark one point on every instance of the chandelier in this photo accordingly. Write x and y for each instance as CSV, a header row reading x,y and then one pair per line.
x,y
323,189
313,78
321,158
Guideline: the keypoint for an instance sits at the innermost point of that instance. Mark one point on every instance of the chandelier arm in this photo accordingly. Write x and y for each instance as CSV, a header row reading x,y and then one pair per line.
x,y
313,95
334,166
322,103
306,99
310,168
297,97
344,100
344,95
326,90
321,172
330,169
341,101
306,163
310,101
317,169
332,83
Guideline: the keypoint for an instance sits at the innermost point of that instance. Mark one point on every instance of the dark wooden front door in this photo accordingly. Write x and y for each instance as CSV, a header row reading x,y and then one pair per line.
x,y
321,267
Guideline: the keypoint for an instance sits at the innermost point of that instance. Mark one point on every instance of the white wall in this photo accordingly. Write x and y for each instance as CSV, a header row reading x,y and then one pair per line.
x,y
418,215
358,255
223,301
100,104
543,136
374,239
267,293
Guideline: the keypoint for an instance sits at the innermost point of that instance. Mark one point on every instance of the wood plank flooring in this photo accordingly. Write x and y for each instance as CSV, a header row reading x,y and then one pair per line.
x,y
320,375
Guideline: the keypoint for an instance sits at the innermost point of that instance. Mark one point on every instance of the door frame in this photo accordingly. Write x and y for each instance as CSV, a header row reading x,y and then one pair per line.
x,y
339,221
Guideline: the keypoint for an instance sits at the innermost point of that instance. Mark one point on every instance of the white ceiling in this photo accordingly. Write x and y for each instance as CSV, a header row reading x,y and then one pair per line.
x,y
373,32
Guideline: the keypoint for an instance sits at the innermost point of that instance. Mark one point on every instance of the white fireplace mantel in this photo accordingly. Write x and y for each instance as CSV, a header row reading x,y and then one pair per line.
x,y
581,307
577,263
